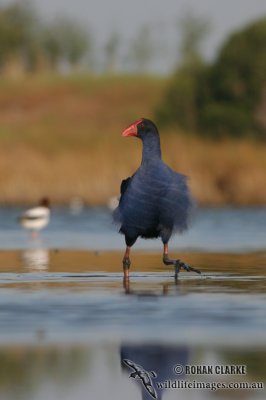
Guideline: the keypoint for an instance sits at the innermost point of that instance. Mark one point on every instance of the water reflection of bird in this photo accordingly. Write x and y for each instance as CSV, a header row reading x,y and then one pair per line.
x,y
155,201
35,259
76,205
36,218
163,289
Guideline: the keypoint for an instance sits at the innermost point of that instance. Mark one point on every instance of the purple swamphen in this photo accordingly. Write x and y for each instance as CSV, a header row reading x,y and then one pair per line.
x,y
155,201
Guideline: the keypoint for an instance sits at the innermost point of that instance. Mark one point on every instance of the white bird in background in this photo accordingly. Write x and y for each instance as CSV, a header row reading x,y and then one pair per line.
x,y
36,218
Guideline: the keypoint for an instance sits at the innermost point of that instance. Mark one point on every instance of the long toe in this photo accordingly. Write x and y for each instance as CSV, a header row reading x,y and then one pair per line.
x,y
187,267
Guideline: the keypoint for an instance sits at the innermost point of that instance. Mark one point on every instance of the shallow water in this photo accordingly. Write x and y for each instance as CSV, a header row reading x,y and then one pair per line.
x,y
67,319
212,229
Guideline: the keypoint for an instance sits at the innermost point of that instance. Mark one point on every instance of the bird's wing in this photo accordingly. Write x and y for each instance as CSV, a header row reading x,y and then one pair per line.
x,y
36,212
124,185
117,217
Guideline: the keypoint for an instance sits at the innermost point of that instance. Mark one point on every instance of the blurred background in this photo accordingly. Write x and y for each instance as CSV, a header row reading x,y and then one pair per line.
x,y
73,75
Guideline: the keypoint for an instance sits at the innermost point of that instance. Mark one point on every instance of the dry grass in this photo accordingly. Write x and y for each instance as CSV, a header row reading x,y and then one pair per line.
x,y
61,137
228,172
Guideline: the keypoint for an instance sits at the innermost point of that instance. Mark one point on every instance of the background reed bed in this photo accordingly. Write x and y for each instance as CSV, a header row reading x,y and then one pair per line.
x,y
61,136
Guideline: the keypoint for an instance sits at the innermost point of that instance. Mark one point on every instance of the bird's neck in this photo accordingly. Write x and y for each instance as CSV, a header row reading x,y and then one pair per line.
x,y
151,151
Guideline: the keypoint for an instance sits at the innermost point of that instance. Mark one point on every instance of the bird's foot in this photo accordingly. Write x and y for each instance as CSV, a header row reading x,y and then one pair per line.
x,y
178,264
34,235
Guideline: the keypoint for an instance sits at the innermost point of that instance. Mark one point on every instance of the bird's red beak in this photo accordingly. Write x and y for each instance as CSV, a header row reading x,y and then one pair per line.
x,y
132,130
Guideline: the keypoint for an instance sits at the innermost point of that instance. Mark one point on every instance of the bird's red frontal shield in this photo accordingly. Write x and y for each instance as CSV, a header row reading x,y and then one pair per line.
x,y
132,130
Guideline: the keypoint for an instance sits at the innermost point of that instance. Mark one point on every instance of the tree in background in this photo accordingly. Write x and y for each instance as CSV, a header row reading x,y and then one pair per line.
x,y
17,27
65,42
227,97
193,30
180,103
234,98
141,50
27,42
111,49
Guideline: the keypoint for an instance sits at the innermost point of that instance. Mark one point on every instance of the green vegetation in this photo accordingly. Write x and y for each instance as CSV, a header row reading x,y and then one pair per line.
x,y
28,45
227,97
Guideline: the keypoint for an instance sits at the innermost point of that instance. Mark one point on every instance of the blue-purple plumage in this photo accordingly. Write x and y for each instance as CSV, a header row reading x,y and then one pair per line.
x,y
155,201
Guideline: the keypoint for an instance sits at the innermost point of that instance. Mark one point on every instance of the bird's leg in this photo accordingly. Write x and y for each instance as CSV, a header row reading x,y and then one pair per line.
x,y
126,263
178,264
34,235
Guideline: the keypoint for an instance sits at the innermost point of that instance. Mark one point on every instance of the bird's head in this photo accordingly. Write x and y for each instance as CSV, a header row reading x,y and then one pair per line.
x,y
45,202
142,128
